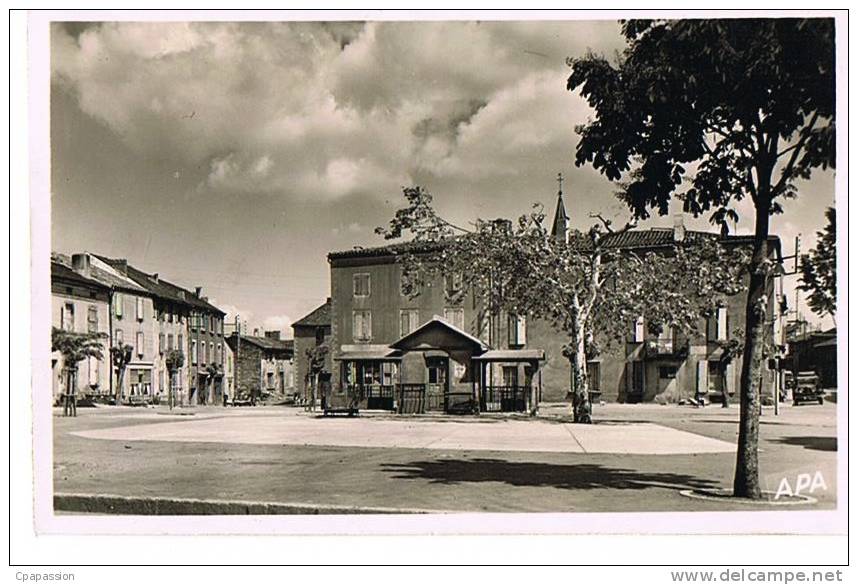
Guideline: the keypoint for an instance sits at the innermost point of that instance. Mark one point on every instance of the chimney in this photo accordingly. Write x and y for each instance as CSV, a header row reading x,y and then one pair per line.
x,y
199,291
122,266
273,335
182,295
679,227
154,277
81,264
256,332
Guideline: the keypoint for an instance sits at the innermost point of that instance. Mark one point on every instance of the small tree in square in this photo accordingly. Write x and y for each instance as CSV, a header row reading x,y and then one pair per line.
x,y
75,348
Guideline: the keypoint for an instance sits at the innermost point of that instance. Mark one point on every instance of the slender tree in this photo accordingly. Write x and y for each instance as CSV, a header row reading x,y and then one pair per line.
x,y
743,106
121,357
316,359
174,361
583,286
818,275
75,347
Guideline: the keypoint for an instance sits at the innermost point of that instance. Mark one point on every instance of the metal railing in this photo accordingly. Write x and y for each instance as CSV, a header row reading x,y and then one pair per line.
x,y
504,398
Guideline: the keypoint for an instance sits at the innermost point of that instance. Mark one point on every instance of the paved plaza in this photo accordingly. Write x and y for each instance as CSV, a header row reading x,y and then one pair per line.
x,y
634,458
485,434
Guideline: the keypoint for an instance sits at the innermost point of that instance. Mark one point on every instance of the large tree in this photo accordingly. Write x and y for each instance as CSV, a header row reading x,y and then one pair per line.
x,y
712,112
586,286
819,270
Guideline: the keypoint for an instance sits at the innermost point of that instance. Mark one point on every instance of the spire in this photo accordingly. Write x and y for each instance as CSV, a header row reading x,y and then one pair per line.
x,y
560,228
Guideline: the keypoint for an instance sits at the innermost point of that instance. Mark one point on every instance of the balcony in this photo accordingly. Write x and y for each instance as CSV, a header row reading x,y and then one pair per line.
x,y
666,348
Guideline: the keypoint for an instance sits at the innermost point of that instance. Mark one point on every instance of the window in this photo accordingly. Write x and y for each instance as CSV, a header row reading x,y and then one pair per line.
x,y
510,375
361,285
638,330
362,325
455,317
194,351
117,337
140,343
92,320
180,344
204,357
118,299
212,355
202,321
517,330
716,326
93,371
220,352
408,321
139,308
452,284
320,335
169,342
594,376
161,345
667,372
67,317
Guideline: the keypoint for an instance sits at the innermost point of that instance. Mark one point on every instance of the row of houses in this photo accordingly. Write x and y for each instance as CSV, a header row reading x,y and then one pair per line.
x,y
129,307
431,352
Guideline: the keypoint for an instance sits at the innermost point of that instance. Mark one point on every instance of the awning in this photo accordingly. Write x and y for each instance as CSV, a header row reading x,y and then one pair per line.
x,y
512,355
375,354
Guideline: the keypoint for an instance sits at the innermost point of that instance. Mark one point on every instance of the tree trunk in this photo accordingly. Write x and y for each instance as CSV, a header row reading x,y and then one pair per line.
x,y
580,390
120,375
170,390
746,483
725,395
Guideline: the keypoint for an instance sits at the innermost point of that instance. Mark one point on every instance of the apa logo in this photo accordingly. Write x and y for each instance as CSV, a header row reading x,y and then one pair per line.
x,y
803,481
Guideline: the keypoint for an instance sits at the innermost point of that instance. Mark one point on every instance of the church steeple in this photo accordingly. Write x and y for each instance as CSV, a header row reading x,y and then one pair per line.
x,y
560,228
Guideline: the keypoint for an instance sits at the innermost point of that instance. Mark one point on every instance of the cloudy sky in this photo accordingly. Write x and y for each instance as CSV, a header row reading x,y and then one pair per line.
x,y
235,156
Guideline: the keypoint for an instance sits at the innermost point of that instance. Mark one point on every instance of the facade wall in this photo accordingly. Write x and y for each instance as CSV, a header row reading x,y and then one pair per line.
x,y
206,350
93,375
386,303
172,328
133,322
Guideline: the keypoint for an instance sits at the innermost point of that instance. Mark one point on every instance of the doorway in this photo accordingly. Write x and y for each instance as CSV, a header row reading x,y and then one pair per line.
x,y
438,383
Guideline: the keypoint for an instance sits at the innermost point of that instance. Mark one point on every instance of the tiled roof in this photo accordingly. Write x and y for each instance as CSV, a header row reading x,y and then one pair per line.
x,y
62,272
319,317
162,288
632,239
103,276
287,345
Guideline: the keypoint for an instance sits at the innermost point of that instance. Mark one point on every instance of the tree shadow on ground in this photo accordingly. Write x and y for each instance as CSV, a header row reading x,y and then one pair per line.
x,y
813,443
532,474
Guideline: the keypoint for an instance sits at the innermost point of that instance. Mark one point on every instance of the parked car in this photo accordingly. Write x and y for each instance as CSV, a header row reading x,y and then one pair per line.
x,y
805,387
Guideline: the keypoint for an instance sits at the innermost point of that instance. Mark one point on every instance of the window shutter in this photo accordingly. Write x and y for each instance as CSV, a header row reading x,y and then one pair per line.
x,y
702,377
728,374
139,308
140,343
639,330
521,334
117,304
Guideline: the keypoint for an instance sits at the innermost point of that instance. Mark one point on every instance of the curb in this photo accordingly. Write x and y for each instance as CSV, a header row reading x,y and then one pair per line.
x,y
159,506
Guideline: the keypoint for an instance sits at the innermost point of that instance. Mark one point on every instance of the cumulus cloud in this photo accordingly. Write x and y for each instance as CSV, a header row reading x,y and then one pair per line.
x,y
325,111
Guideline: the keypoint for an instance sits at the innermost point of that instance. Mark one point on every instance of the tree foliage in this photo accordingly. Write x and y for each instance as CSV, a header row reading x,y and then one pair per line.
x,y
749,102
76,347
818,275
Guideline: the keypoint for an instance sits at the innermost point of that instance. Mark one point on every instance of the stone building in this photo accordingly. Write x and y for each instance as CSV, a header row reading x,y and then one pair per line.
x,y
206,350
311,331
262,365
509,362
